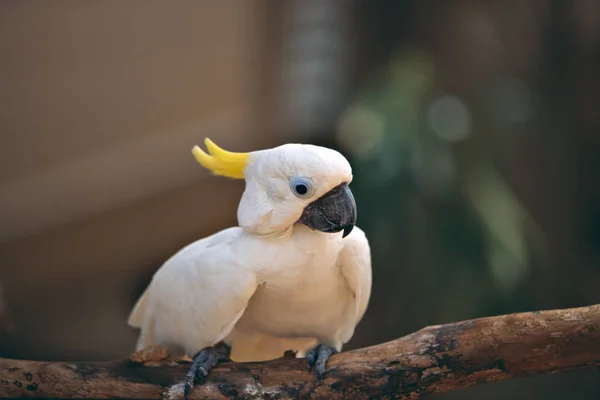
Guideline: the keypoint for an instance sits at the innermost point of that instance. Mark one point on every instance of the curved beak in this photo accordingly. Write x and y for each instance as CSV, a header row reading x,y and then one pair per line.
x,y
335,211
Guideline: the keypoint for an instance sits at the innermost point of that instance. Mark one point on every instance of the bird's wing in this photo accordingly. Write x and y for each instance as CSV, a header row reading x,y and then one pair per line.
x,y
197,296
355,263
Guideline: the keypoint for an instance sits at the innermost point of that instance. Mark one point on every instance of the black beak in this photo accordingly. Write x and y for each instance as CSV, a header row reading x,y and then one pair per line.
x,y
333,212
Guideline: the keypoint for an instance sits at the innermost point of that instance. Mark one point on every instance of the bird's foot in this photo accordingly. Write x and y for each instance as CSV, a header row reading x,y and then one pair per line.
x,y
202,364
319,356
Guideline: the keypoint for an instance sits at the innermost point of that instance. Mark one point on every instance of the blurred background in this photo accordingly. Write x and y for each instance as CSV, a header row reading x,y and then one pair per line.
x,y
473,128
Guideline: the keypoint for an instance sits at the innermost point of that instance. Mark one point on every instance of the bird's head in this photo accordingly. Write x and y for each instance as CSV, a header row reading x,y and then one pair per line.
x,y
288,184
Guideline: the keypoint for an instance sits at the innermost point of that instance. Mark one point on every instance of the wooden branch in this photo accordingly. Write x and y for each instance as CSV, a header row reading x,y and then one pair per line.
x,y
435,359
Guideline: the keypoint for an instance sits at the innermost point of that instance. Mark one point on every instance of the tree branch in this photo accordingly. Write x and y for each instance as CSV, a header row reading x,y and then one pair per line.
x,y
434,359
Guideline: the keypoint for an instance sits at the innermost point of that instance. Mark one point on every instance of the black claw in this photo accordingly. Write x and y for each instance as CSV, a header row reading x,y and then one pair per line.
x,y
203,363
319,357
188,383
222,351
311,357
324,353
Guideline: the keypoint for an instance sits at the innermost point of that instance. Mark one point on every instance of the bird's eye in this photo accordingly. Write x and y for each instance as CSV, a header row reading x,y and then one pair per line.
x,y
301,187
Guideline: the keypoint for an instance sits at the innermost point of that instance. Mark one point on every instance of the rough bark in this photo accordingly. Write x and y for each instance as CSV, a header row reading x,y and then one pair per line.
x,y
435,359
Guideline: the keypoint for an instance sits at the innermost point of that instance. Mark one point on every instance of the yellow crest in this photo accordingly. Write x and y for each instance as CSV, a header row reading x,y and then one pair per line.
x,y
221,162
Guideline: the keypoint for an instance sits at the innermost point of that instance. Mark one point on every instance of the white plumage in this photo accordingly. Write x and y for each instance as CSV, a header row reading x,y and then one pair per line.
x,y
272,284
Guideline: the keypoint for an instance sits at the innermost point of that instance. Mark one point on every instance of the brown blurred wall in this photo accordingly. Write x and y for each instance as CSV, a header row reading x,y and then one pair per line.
x,y
100,104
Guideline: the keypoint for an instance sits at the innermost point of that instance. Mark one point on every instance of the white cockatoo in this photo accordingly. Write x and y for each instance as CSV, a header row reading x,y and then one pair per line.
x,y
294,275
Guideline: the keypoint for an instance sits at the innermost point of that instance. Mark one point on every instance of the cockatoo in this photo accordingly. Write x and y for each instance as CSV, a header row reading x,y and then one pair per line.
x,y
294,275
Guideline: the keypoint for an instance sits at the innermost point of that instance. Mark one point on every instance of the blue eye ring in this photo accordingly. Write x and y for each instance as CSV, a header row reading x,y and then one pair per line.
x,y
301,187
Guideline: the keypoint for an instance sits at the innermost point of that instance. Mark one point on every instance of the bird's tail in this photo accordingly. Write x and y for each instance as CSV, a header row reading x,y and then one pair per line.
x,y
136,317
139,319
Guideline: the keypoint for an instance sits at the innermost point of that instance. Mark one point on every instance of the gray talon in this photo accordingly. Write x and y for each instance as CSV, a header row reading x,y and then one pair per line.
x,y
311,357
203,363
319,357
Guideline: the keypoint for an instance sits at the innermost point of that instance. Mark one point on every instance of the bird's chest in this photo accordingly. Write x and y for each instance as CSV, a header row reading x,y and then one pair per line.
x,y
304,299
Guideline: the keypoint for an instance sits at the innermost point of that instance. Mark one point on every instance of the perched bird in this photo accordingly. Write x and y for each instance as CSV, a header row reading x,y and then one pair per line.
x,y
294,275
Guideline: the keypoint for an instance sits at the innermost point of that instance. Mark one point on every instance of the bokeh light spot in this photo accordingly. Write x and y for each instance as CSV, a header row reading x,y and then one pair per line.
x,y
449,118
